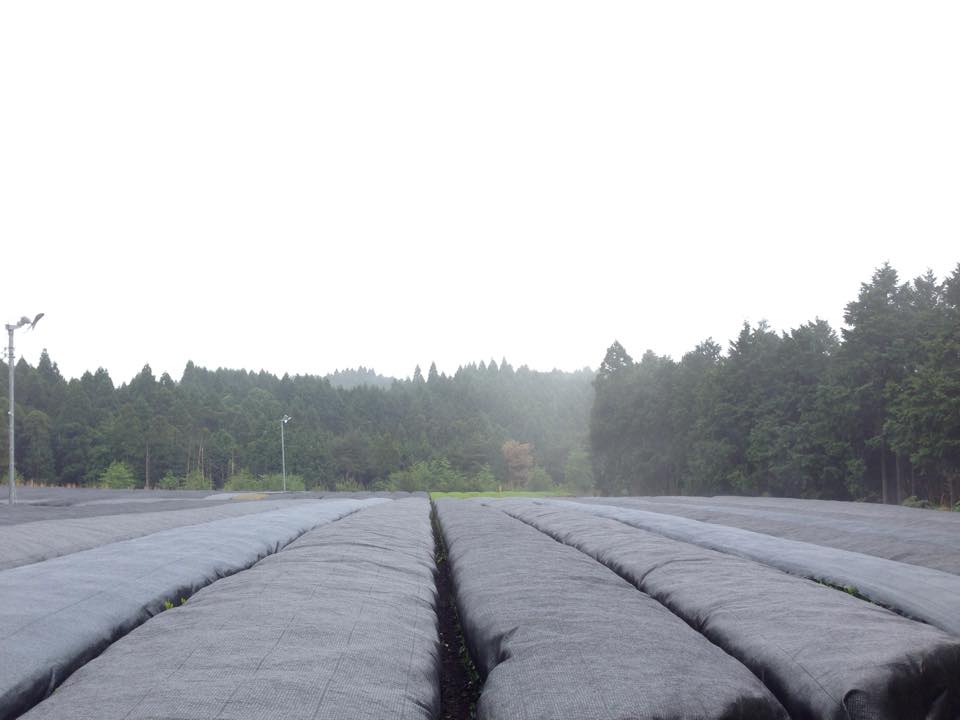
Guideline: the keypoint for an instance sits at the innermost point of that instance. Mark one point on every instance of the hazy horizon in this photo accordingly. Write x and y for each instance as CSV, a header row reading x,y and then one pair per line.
x,y
31,344
24,337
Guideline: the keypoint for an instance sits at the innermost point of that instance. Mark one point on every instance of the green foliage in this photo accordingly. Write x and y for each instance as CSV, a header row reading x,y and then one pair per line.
x,y
242,481
274,481
805,413
416,477
35,446
539,480
868,414
170,482
915,502
5,476
496,494
348,485
435,474
578,473
484,480
848,589
167,605
440,476
352,430
118,476
196,481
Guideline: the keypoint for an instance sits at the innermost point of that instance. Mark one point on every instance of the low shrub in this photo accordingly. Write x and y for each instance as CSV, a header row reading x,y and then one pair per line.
x,y
348,485
484,480
539,480
118,476
915,502
578,473
438,475
242,480
274,481
196,481
169,482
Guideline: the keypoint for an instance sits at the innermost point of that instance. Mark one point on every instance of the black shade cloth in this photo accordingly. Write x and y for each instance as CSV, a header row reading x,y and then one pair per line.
x,y
558,635
824,653
910,535
56,615
32,542
339,625
917,592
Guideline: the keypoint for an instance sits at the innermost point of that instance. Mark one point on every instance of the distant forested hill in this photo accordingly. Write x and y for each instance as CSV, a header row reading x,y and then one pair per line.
x,y
870,413
873,413
350,378
356,429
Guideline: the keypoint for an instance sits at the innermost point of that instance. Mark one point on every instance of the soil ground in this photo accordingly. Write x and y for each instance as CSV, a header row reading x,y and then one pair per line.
x,y
459,682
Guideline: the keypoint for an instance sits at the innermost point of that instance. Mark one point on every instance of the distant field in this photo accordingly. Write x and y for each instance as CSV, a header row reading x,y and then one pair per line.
x,y
495,494
386,605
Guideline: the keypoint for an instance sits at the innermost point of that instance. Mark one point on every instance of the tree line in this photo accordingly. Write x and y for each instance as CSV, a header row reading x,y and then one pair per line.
x,y
870,414
351,430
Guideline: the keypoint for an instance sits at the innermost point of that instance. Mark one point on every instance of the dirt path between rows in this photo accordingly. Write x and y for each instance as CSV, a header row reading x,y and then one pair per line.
x,y
459,681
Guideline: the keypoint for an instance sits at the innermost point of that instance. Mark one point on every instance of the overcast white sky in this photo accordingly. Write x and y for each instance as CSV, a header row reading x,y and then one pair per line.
x,y
304,186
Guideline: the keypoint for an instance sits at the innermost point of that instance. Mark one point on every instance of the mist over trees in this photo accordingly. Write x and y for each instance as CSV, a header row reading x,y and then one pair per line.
x,y
352,430
348,379
872,413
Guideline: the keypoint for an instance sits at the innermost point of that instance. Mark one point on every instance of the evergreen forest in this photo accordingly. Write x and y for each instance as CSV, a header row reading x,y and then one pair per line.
x,y
486,427
871,412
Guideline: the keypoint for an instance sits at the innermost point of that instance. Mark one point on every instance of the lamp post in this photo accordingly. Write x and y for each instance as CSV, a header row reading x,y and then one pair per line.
x,y
11,368
283,451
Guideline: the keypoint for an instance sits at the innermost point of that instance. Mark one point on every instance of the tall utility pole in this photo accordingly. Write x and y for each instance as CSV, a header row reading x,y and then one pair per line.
x,y
12,490
11,371
283,450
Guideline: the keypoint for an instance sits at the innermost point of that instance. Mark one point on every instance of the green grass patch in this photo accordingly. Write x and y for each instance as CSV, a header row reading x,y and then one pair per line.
x,y
848,589
495,494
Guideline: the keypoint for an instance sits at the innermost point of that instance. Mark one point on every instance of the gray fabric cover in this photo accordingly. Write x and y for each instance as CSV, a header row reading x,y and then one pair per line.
x,y
339,625
54,495
558,635
44,539
27,513
824,654
55,503
56,615
910,535
917,592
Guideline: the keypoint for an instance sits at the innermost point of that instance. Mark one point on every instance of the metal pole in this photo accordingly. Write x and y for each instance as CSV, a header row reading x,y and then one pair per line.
x,y
283,456
12,496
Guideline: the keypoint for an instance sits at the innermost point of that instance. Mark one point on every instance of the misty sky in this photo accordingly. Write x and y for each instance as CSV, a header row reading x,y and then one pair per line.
x,y
304,186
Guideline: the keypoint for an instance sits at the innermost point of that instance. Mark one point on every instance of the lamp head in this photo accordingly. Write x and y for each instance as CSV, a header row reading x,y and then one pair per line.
x,y
26,321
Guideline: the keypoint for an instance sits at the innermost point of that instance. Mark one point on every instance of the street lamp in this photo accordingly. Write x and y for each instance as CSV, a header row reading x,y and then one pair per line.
x,y
11,367
283,451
